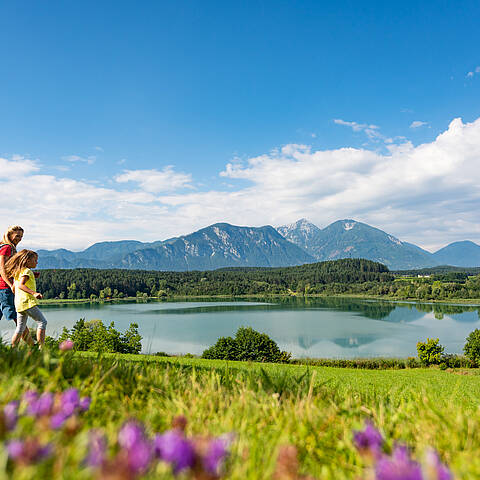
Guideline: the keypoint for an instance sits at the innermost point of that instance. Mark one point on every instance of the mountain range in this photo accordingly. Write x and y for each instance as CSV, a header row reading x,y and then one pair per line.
x,y
223,245
217,246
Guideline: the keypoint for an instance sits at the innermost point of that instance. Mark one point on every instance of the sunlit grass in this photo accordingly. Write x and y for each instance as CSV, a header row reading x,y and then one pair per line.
x,y
267,405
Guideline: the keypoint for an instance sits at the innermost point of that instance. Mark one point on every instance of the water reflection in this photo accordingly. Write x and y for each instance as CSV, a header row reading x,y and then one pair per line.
x,y
313,327
375,310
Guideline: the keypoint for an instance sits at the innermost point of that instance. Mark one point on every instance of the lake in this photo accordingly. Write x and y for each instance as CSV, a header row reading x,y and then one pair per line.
x,y
313,327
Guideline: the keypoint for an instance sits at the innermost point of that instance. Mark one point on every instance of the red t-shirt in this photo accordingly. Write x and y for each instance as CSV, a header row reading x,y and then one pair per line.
x,y
7,251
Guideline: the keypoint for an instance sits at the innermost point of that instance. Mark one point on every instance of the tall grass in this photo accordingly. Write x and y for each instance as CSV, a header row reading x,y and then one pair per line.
x,y
313,408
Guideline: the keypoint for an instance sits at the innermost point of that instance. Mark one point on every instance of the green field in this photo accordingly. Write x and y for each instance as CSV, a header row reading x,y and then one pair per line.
x,y
315,409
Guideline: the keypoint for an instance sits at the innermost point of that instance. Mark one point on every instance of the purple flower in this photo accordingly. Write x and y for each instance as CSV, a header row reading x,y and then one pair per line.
x,y
29,397
42,405
216,454
140,456
130,434
398,467
38,405
28,451
85,404
70,401
10,413
369,440
58,420
44,452
15,449
97,449
138,448
66,345
435,468
174,448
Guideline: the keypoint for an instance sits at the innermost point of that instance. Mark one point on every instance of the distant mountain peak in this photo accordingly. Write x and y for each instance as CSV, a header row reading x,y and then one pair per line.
x,y
464,253
303,221
350,238
302,225
302,232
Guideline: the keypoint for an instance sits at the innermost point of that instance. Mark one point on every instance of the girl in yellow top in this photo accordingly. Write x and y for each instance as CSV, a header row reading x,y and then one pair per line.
x,y
26,295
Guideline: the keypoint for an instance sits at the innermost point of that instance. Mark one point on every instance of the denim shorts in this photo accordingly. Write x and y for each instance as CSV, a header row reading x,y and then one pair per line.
x,y
7,304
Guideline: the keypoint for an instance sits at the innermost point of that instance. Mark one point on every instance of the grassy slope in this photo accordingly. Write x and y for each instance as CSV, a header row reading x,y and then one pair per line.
x,y
419,406
395,384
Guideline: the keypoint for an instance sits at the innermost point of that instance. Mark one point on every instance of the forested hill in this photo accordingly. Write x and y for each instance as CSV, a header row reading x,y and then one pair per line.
x,y
309,278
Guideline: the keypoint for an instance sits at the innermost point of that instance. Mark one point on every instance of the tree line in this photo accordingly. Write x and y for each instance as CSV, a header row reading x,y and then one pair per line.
x,y
345,276
116,283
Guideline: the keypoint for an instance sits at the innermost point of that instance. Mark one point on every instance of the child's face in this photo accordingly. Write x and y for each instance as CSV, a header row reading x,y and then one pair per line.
x,y
32,261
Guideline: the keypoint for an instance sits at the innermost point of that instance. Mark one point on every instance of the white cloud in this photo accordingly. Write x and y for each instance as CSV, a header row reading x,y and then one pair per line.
x,y
473,72
62,168
17,166
76,158
357,127
156,181
427,194
372,131
417,124
98,149
412,192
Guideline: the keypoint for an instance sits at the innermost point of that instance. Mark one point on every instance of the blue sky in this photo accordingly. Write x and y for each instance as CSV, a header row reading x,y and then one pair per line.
x,y
120,118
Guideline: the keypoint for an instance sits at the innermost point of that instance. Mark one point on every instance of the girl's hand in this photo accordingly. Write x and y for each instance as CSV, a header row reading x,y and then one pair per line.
x,y
38,295
36,274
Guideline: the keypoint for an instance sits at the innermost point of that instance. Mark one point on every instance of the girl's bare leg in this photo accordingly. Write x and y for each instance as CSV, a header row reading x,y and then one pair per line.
x,y
40,337
27,338
15,339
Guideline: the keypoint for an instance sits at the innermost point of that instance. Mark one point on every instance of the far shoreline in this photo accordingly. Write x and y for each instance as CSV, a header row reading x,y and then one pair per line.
x,y
68,301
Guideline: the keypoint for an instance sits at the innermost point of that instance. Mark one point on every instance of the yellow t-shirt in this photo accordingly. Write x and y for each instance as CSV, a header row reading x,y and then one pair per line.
x,y
23,300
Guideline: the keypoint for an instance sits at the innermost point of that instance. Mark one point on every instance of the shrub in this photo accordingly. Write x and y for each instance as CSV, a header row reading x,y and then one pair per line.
x,y
248,345
95,336
430,352
226,348
472,347
456,361
51,343
359,363
412,362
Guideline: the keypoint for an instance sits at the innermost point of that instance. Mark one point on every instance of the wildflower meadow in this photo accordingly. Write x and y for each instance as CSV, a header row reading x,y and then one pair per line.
x,y
66,414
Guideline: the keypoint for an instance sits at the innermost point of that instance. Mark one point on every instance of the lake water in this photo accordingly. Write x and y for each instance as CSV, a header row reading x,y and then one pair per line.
x,y
320,327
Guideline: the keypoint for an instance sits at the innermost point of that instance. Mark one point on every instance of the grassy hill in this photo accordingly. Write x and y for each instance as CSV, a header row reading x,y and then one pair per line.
x,y
313,409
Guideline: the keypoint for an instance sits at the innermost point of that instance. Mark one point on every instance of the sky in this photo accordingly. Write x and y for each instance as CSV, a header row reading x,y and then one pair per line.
x,y
147,120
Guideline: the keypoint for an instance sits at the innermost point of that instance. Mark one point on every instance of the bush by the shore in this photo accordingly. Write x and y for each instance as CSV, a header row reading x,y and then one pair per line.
x,y
248,345
96,337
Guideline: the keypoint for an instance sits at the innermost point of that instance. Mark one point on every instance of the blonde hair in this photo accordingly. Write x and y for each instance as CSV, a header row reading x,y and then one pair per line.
x,y
6,236
18,262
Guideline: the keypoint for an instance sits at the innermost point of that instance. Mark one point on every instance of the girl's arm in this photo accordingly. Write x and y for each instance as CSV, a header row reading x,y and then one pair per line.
x,y
3,273
23,287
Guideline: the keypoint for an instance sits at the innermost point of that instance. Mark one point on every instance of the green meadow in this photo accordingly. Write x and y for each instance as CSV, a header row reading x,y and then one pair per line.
x,y
266,406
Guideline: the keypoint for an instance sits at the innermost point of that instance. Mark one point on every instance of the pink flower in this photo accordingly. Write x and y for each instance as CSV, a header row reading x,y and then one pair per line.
x,y
66,345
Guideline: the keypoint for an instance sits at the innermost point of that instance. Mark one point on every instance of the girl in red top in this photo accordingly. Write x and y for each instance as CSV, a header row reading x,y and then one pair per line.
x,y
10,240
